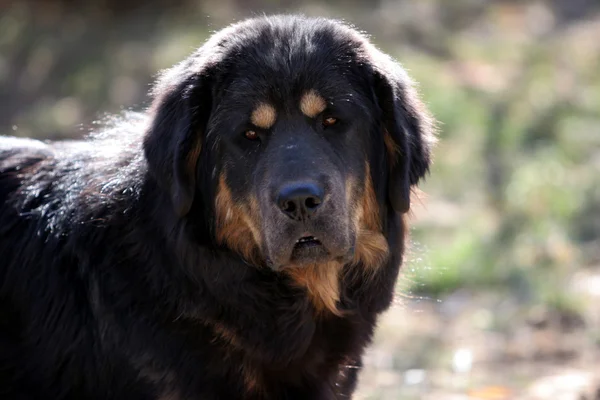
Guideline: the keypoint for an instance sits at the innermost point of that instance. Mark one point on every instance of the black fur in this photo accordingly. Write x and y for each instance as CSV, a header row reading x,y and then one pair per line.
x,y
112,283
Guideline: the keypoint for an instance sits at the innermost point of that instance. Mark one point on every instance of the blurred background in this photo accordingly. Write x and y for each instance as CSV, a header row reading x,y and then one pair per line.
x,y
499,295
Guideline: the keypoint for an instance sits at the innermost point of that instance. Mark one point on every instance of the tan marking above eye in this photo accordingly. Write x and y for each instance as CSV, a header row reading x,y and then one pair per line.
x,y
264,116
312,104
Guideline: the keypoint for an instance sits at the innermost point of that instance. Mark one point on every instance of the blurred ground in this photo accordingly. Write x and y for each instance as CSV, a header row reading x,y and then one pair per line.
x,y
474,344
498,296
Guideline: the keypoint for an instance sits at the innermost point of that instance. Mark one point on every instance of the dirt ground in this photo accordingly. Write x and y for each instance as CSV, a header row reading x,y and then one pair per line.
x,y
486,346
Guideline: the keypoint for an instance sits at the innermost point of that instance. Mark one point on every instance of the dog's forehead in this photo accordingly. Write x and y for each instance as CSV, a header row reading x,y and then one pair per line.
x,y
271,71
297,59
264,113
258,79
264,106
303,88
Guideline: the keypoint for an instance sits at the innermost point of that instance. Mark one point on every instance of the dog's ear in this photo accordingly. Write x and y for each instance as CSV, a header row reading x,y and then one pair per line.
x,y
409,131
179,115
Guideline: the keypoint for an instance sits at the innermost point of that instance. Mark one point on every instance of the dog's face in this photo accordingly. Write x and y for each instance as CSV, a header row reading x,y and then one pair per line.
x,y
293,149
308,137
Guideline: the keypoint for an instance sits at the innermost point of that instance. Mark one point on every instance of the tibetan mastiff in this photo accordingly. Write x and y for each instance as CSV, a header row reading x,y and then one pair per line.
x,y
235,241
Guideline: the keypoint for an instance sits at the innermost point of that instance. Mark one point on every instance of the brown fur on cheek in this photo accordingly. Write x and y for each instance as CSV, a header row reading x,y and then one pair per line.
x,y
372,249
235,226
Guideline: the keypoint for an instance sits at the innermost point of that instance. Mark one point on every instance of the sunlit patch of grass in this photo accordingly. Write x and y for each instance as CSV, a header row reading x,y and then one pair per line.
x,y
447,266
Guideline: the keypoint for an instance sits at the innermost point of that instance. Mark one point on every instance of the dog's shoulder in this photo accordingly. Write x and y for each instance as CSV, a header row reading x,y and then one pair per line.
x,y
17,153
19,158
58,185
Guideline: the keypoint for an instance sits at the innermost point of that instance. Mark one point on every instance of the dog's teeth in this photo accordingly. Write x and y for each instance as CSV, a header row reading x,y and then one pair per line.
x,y
307,239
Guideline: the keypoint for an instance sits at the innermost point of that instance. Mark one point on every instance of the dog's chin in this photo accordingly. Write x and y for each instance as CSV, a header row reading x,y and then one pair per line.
x,y
309,250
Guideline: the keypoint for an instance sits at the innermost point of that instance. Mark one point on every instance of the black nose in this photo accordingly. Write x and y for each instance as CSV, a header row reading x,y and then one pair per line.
x,y
300,200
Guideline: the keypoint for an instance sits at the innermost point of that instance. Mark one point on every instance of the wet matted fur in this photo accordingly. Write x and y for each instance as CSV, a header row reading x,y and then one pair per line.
x,y
236,241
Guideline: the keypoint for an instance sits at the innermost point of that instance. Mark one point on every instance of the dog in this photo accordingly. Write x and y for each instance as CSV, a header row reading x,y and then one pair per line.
x,y
237,240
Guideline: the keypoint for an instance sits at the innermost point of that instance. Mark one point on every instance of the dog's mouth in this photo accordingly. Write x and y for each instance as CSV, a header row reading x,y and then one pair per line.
x,y
308,249
307,241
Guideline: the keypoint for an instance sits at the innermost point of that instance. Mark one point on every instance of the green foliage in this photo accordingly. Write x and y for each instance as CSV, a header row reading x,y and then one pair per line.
x,y
518,157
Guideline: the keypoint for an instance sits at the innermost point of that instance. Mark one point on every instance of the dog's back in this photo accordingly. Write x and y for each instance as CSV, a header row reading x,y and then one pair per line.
x,y
48,338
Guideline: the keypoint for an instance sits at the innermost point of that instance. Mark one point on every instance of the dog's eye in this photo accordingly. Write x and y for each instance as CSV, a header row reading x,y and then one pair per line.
x,y
251,135
330,121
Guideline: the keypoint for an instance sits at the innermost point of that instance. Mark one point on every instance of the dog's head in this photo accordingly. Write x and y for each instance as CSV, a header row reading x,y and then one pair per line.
x,y
300,137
